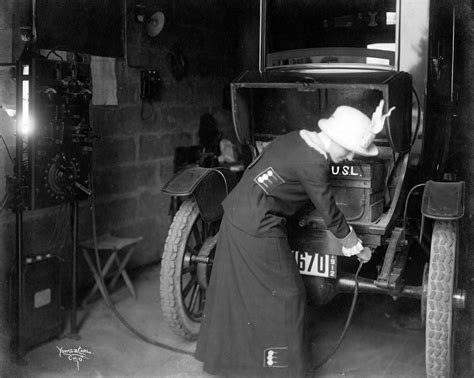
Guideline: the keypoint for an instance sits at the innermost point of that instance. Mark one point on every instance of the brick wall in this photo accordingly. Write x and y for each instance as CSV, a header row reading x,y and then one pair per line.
x,y
133,156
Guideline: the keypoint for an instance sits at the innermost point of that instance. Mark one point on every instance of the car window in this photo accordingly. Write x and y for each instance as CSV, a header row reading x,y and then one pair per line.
x,y
335,31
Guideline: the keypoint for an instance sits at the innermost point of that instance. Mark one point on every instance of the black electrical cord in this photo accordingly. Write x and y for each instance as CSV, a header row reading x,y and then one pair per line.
x,y
6,147
98,278
346,326
418,118
5,200
405,210
54,49
100,282
417,128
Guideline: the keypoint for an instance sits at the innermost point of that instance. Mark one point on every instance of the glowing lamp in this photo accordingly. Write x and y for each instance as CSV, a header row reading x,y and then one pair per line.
x,y
24,125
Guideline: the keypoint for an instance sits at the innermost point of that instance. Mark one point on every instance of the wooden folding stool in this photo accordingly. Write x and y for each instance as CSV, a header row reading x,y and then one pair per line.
x,y
120,250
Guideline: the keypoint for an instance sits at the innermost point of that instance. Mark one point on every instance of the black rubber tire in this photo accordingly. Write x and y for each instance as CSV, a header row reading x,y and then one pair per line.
x,y
178,276
439,306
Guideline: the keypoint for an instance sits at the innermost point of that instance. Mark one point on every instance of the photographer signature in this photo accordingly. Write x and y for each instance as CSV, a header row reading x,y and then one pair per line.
x,y
77,355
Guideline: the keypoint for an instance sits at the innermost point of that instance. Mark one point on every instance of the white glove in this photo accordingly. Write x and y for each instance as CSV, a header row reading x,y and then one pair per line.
x,y
354,250
351,244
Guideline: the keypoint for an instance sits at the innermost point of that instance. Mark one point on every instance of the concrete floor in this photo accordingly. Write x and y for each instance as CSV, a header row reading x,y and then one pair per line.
x,y
385,339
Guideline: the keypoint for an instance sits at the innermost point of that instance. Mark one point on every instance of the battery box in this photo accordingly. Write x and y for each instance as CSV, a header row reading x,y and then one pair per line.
x,y
358,187
41,297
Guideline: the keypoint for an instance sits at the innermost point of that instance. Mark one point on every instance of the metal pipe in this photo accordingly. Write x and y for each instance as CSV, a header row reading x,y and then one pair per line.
x,y
33,22
411,292
346,284
459,298
398,35
19,209
453,42
262,57
201,259
74,269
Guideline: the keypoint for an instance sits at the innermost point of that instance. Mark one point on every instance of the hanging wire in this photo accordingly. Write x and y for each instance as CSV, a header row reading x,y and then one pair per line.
x,y
103,289
53,51
346,326
406,205
5,200
6,147
417,128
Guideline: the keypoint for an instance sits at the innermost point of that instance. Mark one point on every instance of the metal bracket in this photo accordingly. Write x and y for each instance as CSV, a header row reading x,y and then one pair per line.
x,y
391,272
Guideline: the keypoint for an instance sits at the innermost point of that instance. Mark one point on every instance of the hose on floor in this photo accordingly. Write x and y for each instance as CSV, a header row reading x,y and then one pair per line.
x,y
102,288
100,282
346,326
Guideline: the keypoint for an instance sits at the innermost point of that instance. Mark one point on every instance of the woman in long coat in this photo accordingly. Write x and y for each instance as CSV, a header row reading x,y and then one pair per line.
x,y
254,318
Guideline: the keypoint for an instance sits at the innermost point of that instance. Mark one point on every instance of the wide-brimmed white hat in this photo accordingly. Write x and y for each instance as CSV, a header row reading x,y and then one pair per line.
x,y
351,129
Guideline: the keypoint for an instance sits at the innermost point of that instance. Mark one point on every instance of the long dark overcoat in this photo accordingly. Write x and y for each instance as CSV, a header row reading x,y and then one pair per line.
x,y
254,318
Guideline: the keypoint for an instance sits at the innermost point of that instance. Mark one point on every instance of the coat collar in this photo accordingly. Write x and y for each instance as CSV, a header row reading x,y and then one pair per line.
x,y
317,141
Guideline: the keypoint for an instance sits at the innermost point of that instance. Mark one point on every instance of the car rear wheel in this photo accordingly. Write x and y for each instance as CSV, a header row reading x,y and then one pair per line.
x,y
441,281
183,280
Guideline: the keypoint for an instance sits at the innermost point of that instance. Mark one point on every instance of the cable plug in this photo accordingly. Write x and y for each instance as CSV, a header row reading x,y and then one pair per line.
x,y
365,255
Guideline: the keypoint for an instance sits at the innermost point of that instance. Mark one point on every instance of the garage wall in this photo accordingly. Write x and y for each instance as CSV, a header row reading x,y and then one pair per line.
x,y
134,151
133,156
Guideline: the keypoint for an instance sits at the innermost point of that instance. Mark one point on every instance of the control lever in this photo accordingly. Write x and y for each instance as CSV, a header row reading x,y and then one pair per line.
x,y
365,255
79,186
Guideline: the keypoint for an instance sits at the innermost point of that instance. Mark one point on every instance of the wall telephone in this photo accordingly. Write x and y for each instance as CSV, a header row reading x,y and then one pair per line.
x,y
150,82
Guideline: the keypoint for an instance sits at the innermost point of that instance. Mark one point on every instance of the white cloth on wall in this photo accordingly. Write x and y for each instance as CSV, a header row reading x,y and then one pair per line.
x,y
104,81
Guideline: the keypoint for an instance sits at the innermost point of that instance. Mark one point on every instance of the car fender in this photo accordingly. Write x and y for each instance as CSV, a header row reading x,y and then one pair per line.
x,y
208,187
443,200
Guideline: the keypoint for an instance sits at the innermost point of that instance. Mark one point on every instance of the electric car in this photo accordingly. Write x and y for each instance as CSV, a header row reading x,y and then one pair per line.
x,y
313,57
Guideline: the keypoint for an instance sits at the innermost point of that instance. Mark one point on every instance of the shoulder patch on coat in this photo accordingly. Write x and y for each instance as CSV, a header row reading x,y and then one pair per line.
x,y
275,357
268,180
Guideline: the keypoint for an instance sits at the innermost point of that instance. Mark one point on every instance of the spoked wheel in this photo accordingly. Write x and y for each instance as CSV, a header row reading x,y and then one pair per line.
x,y
441,282
185,269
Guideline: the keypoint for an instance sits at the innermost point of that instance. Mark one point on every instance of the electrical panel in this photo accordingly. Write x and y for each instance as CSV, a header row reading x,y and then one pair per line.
x,y
59,148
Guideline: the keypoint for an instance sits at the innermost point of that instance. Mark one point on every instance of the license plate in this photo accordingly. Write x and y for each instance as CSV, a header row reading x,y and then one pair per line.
x,y
316,264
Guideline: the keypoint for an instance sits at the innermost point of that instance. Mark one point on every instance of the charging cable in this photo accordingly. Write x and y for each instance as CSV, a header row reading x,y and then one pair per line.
x,y
103,290
363,257
362,260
